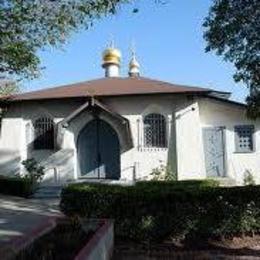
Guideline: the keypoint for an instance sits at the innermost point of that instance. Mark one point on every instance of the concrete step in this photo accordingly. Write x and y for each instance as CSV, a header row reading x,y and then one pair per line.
x,y
50,187
226,182
47,192
44,196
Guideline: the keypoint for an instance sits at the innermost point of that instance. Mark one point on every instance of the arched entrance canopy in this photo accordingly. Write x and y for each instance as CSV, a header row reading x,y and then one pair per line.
x,y
98,109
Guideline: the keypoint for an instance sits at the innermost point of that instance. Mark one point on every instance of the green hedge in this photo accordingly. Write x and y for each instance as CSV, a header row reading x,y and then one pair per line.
x,y
159,210
16,186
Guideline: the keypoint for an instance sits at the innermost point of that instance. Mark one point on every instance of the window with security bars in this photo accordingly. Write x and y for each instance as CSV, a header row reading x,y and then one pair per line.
x,y
43,134
244,138
155,131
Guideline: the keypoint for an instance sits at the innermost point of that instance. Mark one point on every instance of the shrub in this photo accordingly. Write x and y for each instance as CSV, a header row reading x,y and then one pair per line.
x,y
156,210
16,186
249,178
185,184
25,185
163,173
34,171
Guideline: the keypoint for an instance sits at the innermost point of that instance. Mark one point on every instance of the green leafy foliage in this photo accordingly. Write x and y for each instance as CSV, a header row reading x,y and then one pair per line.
x,y
26,184
163,173
249,178
232,30
8,87
16,186
34,171
27,26
253,102
157,210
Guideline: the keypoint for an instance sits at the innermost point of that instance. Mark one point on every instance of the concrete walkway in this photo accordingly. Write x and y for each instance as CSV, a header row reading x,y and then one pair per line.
x,y
19,216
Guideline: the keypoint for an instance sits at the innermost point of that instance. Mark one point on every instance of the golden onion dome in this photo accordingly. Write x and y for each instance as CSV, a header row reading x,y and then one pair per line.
x,y
111,56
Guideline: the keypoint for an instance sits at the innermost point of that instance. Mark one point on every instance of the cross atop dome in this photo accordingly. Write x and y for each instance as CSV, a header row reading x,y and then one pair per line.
x,y
134,66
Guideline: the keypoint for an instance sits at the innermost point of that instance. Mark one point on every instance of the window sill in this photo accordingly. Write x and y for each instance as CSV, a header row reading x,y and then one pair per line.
x,y
50,150
244,152
152,149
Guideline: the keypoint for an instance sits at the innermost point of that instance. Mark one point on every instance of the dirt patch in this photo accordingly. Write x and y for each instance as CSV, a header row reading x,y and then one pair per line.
x,y
235,248
252,243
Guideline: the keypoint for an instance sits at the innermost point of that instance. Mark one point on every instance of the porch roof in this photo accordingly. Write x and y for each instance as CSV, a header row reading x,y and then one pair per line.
x,y
90,104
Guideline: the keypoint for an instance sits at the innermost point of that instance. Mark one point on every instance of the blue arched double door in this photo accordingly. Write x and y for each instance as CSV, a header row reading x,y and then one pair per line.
x,y
99,151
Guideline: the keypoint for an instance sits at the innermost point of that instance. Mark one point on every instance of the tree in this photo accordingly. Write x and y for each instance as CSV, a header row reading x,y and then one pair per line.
x,y
233,31
27,26
8,87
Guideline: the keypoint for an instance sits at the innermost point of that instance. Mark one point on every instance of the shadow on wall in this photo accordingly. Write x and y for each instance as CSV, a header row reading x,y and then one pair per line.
x,y
59,166
172,150
9,162
58,163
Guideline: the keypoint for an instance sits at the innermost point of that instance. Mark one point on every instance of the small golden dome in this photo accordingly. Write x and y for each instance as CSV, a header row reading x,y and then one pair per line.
x,y
134,67
111,56
134,63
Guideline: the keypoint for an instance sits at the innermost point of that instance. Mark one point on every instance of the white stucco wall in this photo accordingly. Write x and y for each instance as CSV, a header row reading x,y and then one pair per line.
x,y
11,142
190,117
216,113
62,165
14,147
189,142
134,109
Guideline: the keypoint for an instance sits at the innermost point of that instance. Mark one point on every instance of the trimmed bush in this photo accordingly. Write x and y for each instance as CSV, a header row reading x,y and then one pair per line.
x,y
154,211
186,184
16,186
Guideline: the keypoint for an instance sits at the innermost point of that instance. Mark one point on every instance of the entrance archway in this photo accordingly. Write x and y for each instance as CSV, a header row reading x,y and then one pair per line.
x,y
99,151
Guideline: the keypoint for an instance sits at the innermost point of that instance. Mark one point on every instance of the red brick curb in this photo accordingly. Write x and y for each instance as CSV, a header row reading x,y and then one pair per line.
x,y
87,250
13,246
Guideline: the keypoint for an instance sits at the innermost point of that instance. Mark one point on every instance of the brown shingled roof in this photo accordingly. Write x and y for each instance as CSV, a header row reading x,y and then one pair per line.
x,y
109,87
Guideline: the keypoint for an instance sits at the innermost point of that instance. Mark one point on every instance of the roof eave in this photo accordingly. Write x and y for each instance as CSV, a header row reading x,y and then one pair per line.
x,y
10,100
231,102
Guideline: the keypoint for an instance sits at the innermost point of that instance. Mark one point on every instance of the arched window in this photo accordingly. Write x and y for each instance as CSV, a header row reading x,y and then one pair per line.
x,y
155,131
43,134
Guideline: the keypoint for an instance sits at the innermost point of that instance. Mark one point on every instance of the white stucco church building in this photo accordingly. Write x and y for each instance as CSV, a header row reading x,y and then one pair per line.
x,y
121,128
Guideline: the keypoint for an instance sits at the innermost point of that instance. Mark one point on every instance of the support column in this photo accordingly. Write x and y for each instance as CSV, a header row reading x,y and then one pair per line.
x,y
172,150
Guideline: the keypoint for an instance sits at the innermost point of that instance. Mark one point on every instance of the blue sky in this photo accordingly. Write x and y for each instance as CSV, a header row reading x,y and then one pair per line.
x,y
169,46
